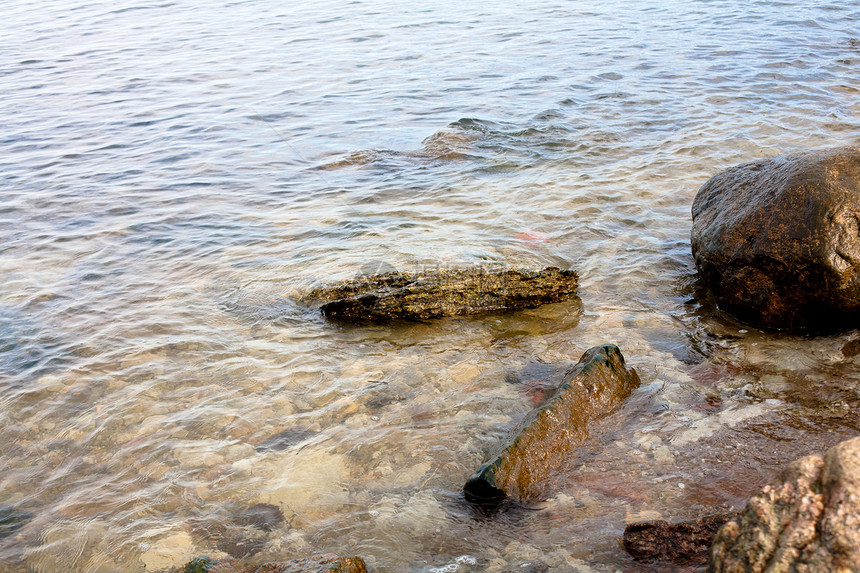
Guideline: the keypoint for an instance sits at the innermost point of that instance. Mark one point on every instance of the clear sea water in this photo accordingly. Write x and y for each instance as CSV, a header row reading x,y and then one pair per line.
x,y
176,174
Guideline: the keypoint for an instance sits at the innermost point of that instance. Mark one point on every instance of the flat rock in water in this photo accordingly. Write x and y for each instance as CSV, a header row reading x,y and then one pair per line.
x,y
807,520
778,240
449,292
525,467
685,543
327,563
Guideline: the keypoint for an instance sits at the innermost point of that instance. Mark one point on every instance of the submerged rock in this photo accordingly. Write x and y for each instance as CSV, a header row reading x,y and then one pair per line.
x,y
285,439
776,240
808,520
199,565
264,516
11,520
317,564
525,467
450,292
685,543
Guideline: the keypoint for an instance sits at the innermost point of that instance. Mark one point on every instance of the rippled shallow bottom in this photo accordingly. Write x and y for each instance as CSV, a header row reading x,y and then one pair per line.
x,y
187,172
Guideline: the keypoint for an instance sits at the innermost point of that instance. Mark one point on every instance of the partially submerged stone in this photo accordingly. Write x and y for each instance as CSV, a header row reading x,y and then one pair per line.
x,y
327,563
685,543
546,439
808,520
446,292
776,240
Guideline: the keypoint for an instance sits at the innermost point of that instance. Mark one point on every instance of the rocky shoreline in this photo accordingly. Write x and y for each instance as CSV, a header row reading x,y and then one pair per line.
x,y
777,242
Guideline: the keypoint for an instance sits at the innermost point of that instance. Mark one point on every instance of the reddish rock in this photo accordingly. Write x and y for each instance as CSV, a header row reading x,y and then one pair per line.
x,y
685,543
807,520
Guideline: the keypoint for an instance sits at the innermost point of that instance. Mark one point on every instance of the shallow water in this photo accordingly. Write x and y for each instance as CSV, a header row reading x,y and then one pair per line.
x,y
176,174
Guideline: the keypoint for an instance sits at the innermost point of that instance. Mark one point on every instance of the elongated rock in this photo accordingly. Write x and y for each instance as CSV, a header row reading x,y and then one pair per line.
x,y
327,563
447,292
546,439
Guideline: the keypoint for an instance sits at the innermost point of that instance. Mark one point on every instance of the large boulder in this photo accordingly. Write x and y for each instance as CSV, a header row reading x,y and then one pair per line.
x,y
808,520
778,240
525,467
445,292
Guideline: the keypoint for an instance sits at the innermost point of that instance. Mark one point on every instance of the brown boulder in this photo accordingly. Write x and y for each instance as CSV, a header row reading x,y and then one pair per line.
x,y
808,520
778,240
549,435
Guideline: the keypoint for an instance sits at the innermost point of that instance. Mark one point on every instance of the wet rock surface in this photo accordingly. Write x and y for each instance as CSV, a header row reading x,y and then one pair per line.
x,y
327,563
776,240
807,520
686,543
525,468
447,292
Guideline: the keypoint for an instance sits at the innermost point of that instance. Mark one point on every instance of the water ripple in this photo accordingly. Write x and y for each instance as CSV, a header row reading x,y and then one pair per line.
x,y
177,175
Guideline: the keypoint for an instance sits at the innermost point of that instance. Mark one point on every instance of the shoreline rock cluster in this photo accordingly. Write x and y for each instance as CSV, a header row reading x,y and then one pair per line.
x,y
777,242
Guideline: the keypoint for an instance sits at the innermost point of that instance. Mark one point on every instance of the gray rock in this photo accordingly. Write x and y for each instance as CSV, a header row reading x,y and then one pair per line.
x,y
526,468
776,240
448,292
808,520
